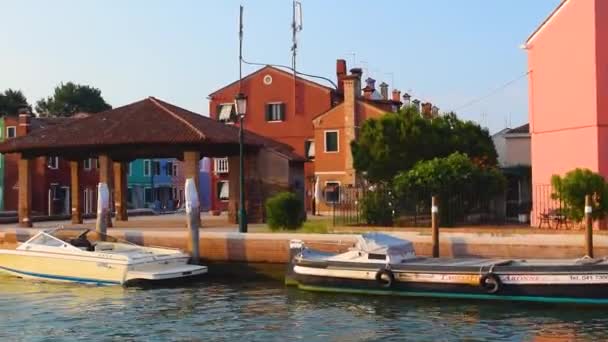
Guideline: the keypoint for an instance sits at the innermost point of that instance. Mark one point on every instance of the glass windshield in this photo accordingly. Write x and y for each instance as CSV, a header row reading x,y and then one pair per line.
x,y
74,236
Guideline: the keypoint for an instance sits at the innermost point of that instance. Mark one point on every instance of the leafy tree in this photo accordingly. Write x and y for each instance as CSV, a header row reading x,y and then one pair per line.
x,y
284,211
397,141
70,98
376,207
572,189
11,101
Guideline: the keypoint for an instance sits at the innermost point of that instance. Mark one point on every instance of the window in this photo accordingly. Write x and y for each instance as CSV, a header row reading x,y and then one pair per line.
x,y
169,169
225,112
147,167
156,168
52,163
148,195
11,132
174,169
309,149
86,164
332,192
129,170
275,112
221,165
223,190
331,141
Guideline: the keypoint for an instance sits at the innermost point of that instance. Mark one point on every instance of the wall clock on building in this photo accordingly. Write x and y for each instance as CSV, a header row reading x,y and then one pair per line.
x,y
267,80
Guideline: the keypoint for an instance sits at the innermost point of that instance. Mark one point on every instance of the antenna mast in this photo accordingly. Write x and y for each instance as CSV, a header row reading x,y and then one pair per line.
x,y
296,26
240,47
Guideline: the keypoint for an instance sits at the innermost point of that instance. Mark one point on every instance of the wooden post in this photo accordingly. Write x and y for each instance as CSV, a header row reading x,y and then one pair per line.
x,y
120,190
589,226
104,177
435,226
75,198
25,192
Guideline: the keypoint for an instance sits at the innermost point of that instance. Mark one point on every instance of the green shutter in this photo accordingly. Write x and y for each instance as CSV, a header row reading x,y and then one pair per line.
x,y
268,112
282,115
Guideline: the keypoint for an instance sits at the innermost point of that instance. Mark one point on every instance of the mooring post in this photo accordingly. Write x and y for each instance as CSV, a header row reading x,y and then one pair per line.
x,y
193,213
589,226
435,226
103,206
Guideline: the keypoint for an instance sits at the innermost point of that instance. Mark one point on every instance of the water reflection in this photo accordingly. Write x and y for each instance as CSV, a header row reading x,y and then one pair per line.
x,y
209,310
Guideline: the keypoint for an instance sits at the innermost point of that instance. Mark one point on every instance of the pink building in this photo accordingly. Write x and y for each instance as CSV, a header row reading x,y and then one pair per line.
x,y
568,74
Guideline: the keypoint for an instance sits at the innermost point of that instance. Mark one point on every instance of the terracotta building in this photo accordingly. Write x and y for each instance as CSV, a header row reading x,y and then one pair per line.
x,y
277,107
568,78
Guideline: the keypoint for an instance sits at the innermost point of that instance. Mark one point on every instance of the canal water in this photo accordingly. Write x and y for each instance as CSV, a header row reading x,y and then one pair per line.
x,y
256,310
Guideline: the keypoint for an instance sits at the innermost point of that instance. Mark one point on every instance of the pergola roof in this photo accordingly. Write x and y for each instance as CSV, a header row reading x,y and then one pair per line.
x,y
147,128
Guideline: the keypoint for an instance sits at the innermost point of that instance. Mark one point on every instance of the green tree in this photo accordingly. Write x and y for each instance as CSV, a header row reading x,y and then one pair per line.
x,y
70,98
572,188
284,211
397,141
11,101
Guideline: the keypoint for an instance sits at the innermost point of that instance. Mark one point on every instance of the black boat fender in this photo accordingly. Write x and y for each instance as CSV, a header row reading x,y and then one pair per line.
x,y
385,277
490,282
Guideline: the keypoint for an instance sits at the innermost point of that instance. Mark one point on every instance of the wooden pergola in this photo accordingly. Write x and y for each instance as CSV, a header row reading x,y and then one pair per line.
x,y
149,128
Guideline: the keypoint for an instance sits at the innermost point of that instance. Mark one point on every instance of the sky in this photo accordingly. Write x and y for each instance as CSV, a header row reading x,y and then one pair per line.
x,y
448,52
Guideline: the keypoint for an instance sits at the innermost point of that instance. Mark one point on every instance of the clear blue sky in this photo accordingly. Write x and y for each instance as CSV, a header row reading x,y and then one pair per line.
x,y
445,51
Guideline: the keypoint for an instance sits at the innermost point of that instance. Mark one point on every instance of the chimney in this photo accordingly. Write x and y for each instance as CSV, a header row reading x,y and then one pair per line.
x,y
352,90
435,111
340,74
24,122
406,100
396,95
370,87
427,108
416,104
384,90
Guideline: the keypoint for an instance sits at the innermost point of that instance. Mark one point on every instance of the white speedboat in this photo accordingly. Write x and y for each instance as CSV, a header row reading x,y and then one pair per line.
x,y
85,256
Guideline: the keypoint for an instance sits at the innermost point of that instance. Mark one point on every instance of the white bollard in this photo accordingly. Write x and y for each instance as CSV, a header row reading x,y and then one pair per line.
x,y
103,205
193,212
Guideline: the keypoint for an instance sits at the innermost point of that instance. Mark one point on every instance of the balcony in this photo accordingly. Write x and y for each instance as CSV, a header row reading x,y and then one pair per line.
x,y
220,165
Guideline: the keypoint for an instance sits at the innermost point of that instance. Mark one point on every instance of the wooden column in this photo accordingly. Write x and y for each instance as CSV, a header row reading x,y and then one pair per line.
x,y
588,226
234,188
104,177
75,198
435,226
120,190
25,191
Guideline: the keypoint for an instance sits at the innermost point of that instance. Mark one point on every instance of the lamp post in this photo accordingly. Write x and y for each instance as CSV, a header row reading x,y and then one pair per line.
x,y
240,103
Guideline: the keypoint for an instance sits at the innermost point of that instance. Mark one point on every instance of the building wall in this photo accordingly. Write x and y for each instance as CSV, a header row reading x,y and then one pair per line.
x,y
301,106
563,92
2,137
517,150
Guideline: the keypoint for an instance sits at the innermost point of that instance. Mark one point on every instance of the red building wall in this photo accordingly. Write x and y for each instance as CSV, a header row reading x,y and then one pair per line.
x,y
307,101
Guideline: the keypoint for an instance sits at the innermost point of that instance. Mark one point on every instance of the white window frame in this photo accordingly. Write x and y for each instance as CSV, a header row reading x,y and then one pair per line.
x,y
9,129
222,106
52,165
312,145
279,104
148,169
219,190
86,164
337,140
221,165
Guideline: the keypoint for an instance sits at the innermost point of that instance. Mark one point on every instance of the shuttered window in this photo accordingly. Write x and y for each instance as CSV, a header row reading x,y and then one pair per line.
x,y
275,112
223,190
225,112
309,149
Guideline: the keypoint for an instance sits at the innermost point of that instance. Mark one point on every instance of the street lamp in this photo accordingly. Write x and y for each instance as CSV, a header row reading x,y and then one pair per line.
x,y
240,103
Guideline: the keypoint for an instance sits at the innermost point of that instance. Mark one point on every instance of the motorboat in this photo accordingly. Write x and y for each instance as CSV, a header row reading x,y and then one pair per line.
x,y
86,256
384,264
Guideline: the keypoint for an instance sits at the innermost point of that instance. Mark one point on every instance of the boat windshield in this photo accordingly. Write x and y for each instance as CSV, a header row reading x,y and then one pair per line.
x,y
74,236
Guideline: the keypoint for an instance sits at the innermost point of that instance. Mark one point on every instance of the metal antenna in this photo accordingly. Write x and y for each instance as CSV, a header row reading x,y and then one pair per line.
x,y
240,47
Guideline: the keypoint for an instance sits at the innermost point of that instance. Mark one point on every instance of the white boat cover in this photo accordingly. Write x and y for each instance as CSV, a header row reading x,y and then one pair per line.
x,y
378,243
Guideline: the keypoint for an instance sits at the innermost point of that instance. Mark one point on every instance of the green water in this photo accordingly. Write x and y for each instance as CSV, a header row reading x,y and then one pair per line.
x,y
216,310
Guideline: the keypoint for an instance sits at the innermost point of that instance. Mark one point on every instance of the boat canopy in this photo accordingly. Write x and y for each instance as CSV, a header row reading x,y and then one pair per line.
x,y
378,243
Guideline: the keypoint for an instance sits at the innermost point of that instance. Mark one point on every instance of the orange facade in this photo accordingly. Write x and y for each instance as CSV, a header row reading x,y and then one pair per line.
x,y
299,101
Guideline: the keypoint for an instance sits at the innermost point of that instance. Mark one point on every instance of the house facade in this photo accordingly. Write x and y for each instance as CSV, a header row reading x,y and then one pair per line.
x,y
513,150
279,107
568,80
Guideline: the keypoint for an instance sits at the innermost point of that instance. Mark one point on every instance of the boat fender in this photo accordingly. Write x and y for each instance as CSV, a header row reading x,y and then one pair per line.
x,y
385,277
490,282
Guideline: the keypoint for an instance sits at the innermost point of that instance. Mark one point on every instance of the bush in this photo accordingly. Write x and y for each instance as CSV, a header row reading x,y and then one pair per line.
x,y
572,189
376,208
284,211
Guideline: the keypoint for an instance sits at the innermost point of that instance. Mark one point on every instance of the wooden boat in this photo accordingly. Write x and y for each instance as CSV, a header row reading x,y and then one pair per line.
x,y
383,264
84,256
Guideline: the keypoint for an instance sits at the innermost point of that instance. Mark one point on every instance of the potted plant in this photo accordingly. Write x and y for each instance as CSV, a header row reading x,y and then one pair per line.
x,y
524,212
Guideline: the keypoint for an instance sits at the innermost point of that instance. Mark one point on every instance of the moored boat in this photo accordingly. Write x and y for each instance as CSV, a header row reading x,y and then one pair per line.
x,y
85,256
383,264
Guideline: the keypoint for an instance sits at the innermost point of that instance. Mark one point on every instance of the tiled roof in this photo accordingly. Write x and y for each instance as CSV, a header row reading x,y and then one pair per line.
x,y
523,129
149,121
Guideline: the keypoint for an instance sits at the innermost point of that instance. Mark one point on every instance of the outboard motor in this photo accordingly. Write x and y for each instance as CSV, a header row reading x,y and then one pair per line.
x,y
295,248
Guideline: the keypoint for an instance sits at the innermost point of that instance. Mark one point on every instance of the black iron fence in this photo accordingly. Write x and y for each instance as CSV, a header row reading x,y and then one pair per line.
x,y
381,207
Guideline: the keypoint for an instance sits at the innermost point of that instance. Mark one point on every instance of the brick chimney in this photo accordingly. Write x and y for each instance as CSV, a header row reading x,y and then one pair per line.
x,y
352,91
340,74
416,104
370,87
357,73
427,109
384,90
396,95
24,122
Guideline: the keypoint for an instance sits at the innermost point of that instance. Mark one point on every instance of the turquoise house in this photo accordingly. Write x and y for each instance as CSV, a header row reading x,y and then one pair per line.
x,y
150,184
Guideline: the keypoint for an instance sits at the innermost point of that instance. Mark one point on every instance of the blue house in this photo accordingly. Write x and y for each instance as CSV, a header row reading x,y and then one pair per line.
x,y
150,184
